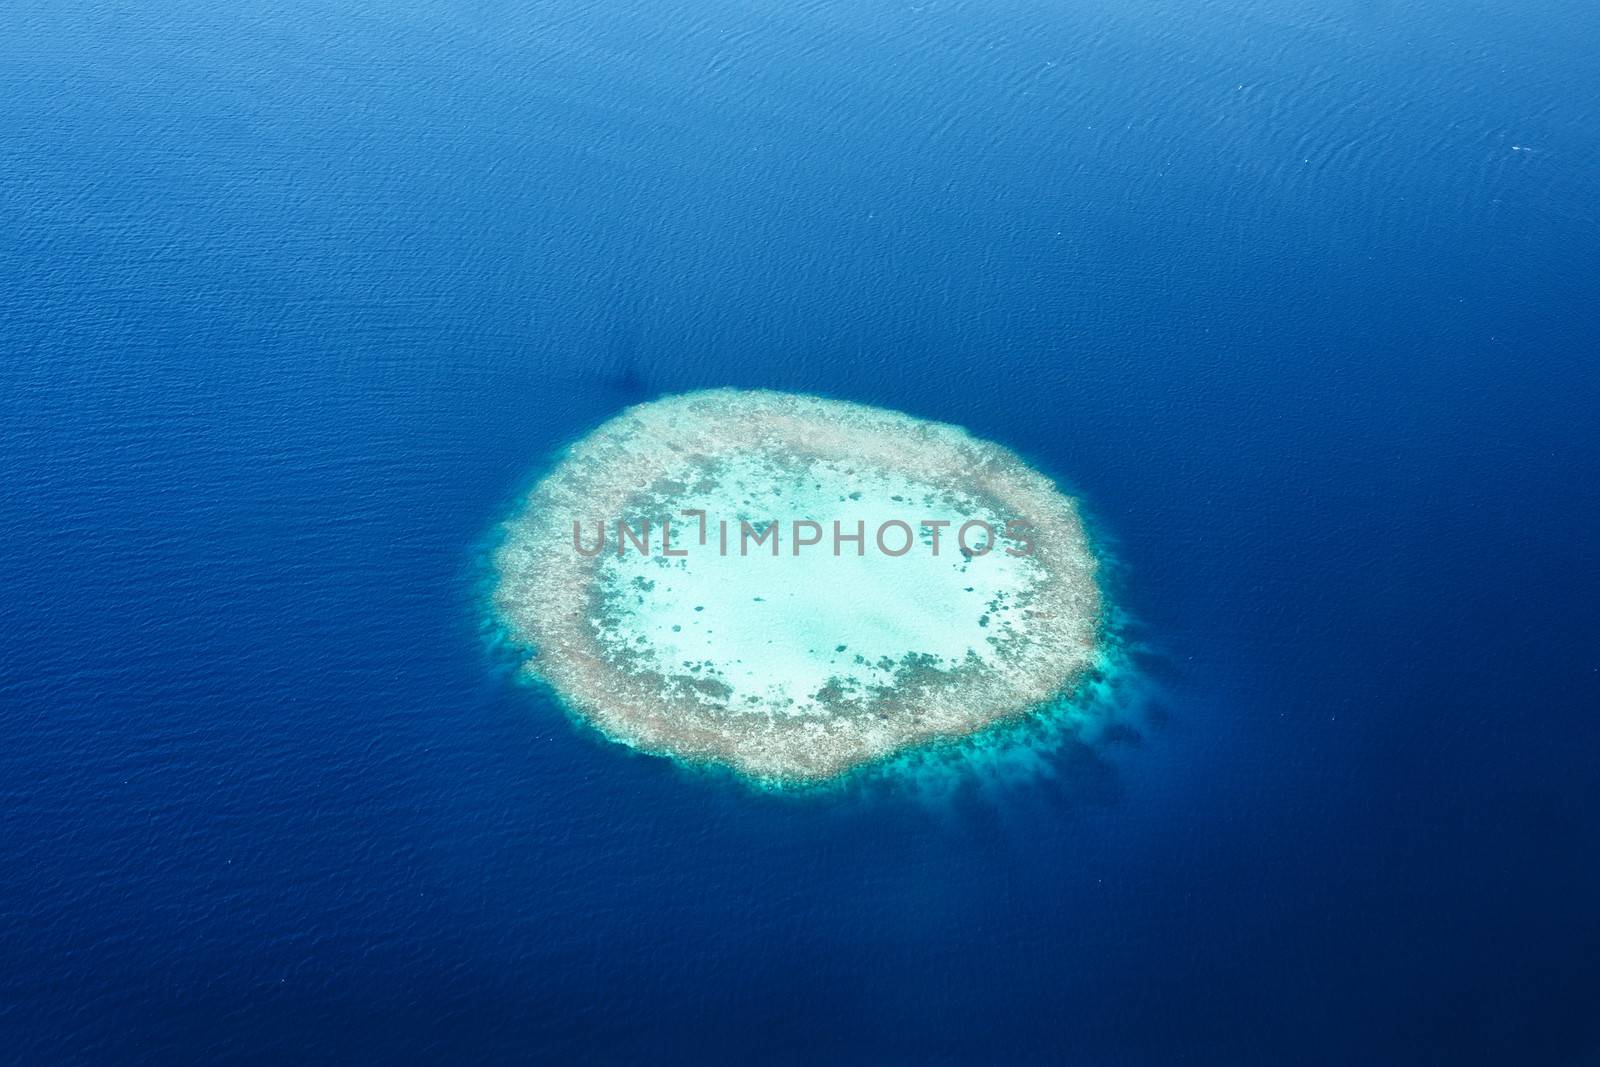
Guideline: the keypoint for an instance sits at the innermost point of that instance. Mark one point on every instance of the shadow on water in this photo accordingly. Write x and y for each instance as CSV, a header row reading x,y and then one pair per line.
x,y
618,369
622,371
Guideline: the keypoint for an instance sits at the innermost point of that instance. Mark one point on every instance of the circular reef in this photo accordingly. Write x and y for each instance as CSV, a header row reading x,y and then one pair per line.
x,y
794,587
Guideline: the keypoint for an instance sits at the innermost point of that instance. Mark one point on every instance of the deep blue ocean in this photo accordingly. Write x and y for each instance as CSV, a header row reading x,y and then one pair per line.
x,y
297,299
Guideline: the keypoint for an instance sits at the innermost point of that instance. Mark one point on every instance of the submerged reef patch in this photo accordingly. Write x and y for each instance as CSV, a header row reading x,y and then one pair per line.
x,y
794,587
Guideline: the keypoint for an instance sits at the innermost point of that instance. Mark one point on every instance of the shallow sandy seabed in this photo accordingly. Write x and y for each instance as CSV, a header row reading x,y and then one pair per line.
x,y
798,667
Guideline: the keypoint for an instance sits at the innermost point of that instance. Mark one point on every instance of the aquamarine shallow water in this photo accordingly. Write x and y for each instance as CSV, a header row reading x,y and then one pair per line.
x,y
299,299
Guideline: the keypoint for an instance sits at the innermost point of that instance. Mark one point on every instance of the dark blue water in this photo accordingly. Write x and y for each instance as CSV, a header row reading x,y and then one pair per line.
x,y
295,298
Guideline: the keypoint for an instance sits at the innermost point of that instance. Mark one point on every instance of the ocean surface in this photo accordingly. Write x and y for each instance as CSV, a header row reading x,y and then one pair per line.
x,y
297,299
